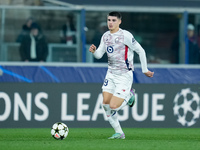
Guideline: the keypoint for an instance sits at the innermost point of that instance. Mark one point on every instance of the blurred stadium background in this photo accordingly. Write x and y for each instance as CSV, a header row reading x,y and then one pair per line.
x,y
67,87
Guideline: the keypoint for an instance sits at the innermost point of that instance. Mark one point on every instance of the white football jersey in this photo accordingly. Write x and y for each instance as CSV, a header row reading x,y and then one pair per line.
x,y
120,47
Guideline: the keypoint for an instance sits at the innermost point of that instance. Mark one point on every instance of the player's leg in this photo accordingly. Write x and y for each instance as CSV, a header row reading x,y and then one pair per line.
x,y
123,94
118,103
115,103
107,96
119,134
111,115
120,99
106,105
108,90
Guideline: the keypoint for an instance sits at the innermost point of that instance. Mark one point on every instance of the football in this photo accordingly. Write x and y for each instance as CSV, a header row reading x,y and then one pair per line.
x,y
59,130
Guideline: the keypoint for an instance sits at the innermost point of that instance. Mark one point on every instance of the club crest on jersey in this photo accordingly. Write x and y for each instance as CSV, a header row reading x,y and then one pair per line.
x,y
110,49
117,40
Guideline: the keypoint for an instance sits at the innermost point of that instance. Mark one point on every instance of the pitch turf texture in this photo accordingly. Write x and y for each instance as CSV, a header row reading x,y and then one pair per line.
x,y
96,139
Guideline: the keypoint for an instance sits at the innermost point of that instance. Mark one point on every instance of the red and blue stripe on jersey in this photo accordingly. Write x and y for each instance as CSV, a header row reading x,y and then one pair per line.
x,y
126,57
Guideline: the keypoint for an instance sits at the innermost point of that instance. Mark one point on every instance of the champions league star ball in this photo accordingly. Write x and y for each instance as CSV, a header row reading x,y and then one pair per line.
x,y
59,131
187,107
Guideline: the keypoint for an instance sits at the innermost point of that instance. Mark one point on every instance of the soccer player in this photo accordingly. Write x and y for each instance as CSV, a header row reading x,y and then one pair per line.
x,y
120,46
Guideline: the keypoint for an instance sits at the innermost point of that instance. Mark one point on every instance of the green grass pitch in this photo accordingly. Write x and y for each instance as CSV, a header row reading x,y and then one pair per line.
x,y
96,139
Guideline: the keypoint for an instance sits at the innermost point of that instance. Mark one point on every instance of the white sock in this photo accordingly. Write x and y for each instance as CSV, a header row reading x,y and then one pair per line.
x,y
107,109
112,114
117,126
112,118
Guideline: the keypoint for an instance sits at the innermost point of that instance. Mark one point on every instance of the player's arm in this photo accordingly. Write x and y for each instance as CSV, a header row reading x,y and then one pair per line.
x,y
92,48
98,52
135,46
149,74
142,55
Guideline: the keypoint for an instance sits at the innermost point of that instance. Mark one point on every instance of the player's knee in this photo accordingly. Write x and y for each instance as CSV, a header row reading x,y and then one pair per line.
x,y
105,101
114,106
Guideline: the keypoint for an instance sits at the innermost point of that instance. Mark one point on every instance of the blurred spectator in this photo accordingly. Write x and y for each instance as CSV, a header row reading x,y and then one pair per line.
x,y
34,46
68,33
198,40
192,45
97,39
25,29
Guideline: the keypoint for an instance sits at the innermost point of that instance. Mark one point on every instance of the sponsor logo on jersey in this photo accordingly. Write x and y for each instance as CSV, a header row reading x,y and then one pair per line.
x,y
110,49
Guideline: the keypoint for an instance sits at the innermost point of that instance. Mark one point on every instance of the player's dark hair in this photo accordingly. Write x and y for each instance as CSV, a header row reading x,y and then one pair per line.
x,y
116,14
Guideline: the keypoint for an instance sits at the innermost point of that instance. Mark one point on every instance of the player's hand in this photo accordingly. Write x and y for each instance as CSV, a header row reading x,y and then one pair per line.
x,y
92,48
149,74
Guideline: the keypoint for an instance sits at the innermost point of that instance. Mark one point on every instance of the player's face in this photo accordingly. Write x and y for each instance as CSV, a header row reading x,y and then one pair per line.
x,y
113,23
